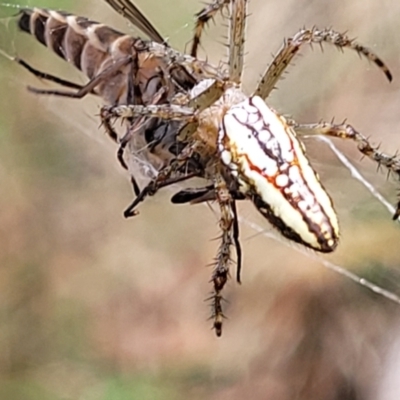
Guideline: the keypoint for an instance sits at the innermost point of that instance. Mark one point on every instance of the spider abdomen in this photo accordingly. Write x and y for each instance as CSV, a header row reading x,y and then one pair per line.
x,y
269,163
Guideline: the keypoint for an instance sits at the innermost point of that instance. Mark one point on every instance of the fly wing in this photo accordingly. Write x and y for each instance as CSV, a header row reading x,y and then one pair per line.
x,y
128,10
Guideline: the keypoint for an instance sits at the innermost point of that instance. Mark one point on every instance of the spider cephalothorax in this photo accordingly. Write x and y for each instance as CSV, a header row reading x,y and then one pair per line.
x,y
192,119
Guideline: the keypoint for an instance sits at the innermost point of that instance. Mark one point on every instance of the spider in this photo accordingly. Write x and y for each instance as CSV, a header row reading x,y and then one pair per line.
x,y
192,119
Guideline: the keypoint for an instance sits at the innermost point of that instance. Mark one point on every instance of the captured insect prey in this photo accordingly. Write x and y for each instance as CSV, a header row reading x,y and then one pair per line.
x,y
190,119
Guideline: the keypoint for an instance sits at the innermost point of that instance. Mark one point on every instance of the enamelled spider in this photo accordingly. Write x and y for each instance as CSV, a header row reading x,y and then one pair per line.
x,y
191,119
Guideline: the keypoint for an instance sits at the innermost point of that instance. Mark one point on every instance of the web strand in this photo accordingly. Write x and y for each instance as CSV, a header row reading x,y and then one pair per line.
x,y
327,264
357,175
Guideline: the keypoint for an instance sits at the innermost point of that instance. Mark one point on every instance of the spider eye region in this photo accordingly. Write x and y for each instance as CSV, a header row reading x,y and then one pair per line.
x,y
268,161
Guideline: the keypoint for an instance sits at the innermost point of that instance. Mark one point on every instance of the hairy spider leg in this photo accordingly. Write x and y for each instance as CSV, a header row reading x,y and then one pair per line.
x,y
292,46
346,131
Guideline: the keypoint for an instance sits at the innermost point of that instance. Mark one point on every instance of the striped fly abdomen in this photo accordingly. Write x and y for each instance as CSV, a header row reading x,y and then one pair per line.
x,y
267,160
93,47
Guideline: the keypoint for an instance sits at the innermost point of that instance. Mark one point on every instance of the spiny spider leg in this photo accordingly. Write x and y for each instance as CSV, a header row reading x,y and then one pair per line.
x,y
208,193
237,27
172,57
236,39
202,18
200,102
89,87
346,131
212,91
292,45
48,77
230,236
163,111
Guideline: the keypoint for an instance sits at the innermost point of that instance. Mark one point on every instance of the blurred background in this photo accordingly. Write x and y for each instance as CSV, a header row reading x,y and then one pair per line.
x,y
95,307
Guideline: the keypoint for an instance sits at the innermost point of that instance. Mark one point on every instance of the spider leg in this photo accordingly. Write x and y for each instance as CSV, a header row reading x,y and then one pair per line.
x,y
167,112
208,94
212,91
163,111
230,236
202,18
153,110
89,87
237,27
208,193
202,100
200,69
292,46
237,24
346,131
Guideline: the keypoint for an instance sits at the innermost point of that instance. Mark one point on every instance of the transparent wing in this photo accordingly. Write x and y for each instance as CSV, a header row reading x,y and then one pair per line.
x,y
128,10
